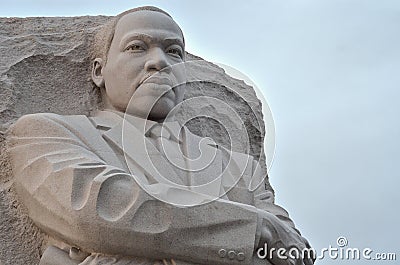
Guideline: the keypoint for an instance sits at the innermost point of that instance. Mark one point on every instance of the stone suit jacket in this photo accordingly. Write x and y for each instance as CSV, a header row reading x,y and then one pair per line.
x,y
71,174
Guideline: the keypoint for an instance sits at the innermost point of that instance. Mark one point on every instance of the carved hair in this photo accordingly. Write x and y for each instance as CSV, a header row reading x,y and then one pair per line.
x,y
104,37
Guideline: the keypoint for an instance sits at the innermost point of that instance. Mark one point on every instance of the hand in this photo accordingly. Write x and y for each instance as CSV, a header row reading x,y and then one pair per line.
x,y
281,244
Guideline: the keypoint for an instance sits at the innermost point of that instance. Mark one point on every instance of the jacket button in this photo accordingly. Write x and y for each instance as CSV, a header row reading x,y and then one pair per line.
x,y
231,254
240,256
222,253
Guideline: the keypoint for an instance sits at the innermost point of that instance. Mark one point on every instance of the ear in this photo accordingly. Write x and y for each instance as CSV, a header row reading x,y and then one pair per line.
x,y
97,72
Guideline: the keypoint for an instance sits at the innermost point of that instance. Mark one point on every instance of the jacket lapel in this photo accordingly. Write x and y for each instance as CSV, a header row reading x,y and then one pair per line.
x,y
203,172
142,158
205,164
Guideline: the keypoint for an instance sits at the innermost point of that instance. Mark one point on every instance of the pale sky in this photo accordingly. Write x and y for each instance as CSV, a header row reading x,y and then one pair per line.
x,y
330,72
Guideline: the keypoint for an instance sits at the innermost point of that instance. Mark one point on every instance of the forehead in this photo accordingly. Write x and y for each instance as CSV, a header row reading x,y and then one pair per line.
x,y
149,22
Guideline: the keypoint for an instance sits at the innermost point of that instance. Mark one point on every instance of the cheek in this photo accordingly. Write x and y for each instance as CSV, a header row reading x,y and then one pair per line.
x,y
124,70
180,73
180,93
119,98
123,79
119,93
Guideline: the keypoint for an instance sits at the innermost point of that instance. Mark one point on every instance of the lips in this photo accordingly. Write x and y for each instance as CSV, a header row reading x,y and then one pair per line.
x,y
157,79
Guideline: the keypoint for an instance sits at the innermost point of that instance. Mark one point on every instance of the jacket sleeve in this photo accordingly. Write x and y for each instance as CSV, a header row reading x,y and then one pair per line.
x,y
74,195
251,186
264,198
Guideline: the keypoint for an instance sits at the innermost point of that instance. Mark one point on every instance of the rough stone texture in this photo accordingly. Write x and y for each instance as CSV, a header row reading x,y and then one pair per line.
x,y
20,240
45,67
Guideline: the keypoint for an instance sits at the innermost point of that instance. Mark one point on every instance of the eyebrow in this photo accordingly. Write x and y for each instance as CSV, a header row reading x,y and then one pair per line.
x,y
150,39
178,41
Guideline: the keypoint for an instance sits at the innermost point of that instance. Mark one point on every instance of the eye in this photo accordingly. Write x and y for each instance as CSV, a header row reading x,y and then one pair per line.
x,y
135,47
175,51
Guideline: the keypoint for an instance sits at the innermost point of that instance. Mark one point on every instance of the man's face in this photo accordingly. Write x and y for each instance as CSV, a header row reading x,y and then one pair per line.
x,y
145,63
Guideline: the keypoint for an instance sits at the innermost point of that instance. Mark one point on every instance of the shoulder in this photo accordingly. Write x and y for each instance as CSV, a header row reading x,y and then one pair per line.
x,y
43,117
243,161
45,123
227,152
194,138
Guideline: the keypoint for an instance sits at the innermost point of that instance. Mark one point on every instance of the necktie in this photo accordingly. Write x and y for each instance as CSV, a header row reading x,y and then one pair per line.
x,y
162,138
158,133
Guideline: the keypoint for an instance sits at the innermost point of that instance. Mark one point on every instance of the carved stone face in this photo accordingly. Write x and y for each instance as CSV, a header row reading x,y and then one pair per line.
x,y
145,61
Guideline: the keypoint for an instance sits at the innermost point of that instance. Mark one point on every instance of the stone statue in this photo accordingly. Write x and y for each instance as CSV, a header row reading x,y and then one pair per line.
x,y
130,185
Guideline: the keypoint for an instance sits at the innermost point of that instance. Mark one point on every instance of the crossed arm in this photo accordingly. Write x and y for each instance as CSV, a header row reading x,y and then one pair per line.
x,y
73,193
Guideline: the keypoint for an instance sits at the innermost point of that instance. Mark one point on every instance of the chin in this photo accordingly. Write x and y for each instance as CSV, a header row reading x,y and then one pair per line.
x,y
148,107
161,109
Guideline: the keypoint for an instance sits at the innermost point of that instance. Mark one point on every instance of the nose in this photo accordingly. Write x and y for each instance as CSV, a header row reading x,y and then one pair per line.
x,y
157,60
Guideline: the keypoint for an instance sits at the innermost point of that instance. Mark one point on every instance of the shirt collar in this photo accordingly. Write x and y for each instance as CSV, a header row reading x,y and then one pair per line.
x,y
174,128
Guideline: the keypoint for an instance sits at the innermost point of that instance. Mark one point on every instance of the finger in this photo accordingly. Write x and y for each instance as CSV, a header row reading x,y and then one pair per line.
x,y
306,243
310,254
299,261
308,261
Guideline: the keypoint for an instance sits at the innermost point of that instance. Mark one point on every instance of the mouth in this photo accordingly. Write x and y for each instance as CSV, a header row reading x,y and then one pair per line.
x,y
157,79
